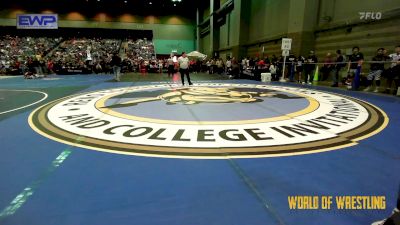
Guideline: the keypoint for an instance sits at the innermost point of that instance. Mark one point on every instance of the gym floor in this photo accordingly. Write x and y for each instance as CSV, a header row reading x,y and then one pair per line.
x,y
47,182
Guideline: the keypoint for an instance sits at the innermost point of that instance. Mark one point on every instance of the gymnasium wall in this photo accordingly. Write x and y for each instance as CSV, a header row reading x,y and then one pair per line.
x,y
204,42
229,32
369,37
268,19
340,27
345,10
321,25
337,25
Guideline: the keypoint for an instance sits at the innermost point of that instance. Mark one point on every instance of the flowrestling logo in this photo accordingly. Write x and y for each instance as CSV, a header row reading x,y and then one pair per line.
x,y
37,21
370,15
210,120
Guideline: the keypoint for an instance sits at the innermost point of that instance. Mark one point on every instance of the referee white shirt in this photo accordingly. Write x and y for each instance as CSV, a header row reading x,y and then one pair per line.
x,y
183,62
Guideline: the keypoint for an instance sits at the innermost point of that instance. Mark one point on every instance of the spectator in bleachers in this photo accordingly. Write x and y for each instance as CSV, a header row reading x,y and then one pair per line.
x,y
14,51
141,52
126,65
50,66
85,55
98,68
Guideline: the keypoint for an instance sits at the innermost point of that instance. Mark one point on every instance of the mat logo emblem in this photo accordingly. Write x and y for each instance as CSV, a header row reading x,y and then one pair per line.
x,y
210,120
189,96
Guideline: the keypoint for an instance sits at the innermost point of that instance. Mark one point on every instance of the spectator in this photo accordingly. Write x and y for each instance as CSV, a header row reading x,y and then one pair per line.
x,y
243,65
291,66
142,54
14,52
327,67
272,70
85,55
339,64
394,71
209,68
160,65
170,62
198,65
220,66
50,66
235,69
192,66
309,68
377,67
213,66
355,60
299,66
228,66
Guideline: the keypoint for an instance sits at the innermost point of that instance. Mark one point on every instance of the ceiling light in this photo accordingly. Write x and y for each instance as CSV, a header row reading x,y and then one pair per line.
x,y
174,4
150,3
126,1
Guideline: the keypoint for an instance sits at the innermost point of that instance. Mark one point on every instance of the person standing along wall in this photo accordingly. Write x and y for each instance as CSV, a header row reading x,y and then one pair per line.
x,y
309,68
394,71
228,65
299,67
339,64
377,68
327,67
171,69
272,69
355,60
291,62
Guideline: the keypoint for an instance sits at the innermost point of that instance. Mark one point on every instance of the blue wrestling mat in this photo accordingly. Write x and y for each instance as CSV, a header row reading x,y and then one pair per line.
x,y
84,150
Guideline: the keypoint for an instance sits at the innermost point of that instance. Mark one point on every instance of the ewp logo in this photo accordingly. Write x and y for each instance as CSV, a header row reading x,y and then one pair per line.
x,y
37,21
